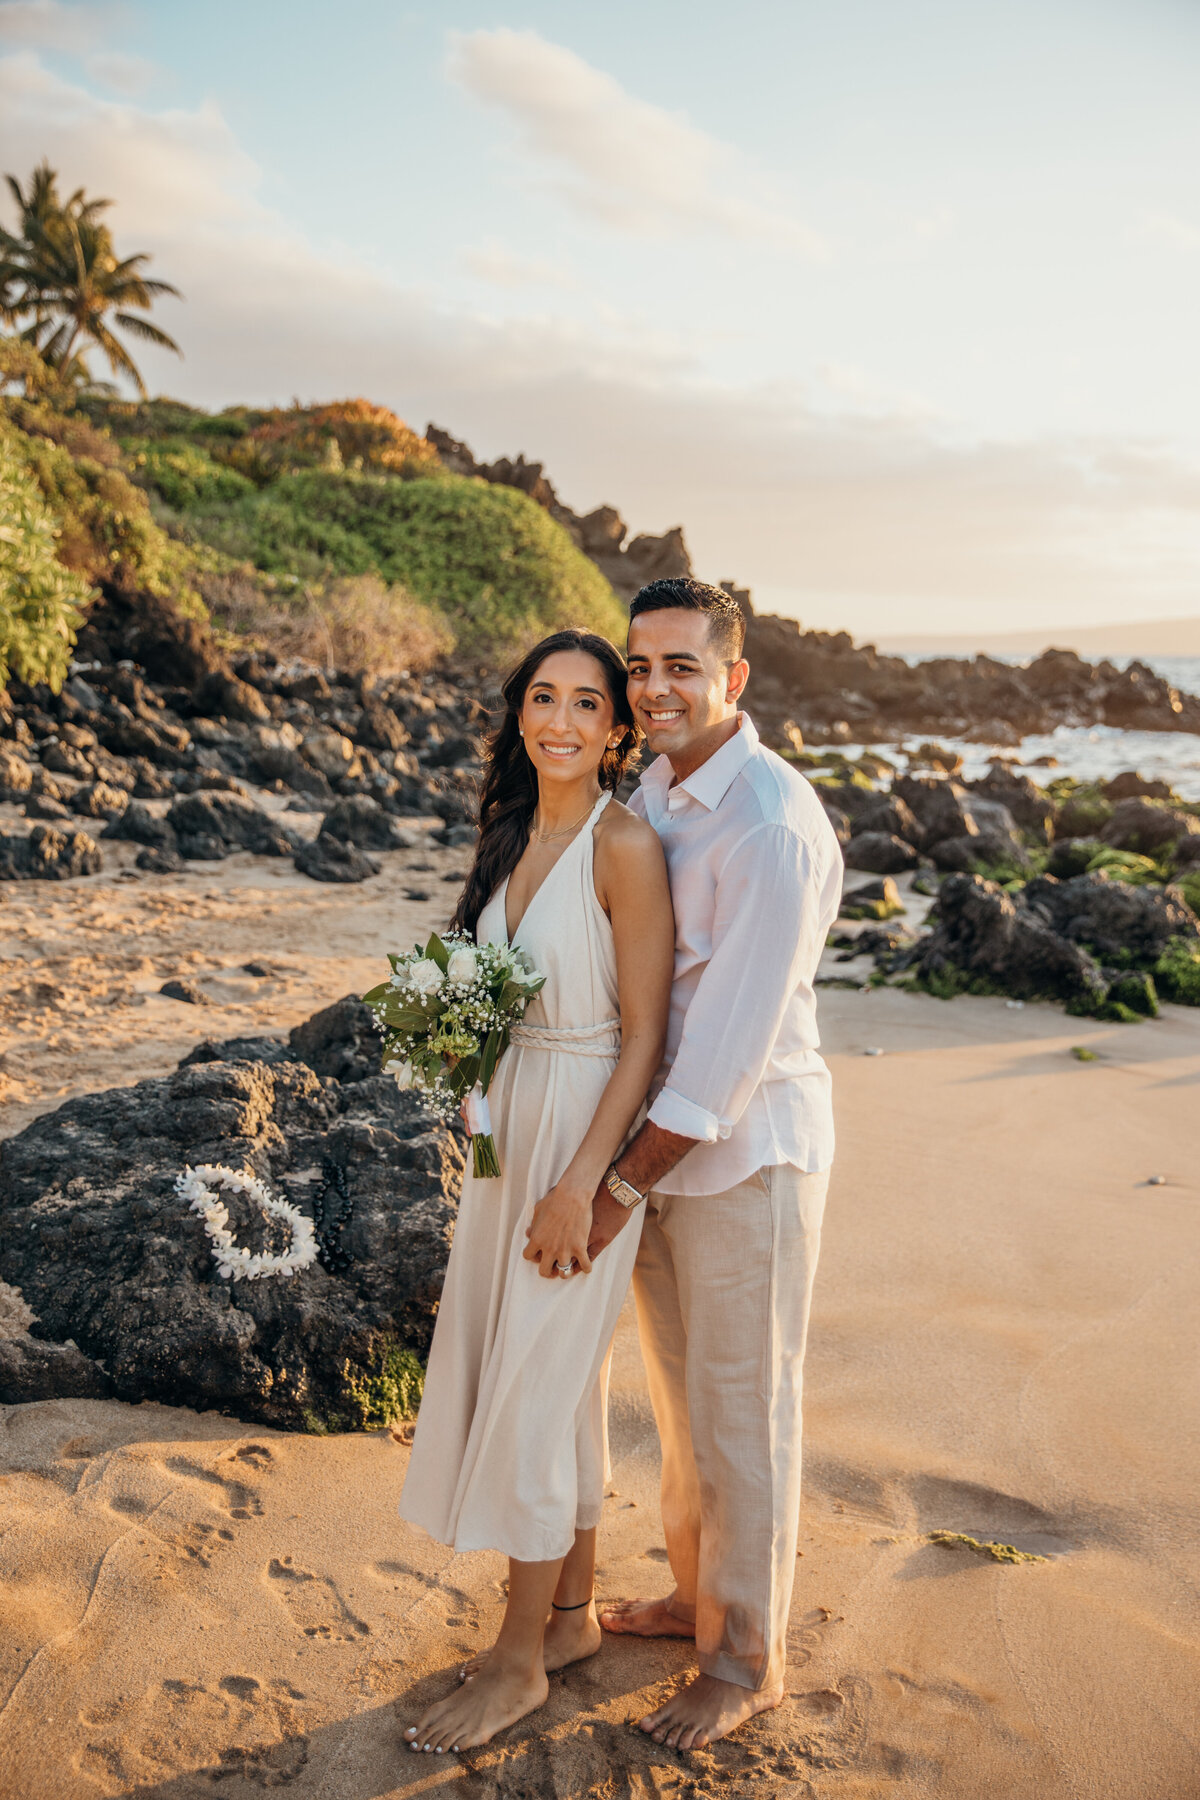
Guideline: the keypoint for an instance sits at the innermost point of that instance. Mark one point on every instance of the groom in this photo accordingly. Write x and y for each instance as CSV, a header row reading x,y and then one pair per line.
x,y
732,1162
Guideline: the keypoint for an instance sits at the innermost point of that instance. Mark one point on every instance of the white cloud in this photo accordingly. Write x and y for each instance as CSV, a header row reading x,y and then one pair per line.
x,y
495,263
868,506
632,165
1169,229
124,74
51,25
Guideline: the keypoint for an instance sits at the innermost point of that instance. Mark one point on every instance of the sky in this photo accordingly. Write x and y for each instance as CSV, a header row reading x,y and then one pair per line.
x,y
891,304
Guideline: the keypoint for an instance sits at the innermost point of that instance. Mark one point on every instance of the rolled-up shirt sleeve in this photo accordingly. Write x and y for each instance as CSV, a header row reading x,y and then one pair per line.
x,y
768,932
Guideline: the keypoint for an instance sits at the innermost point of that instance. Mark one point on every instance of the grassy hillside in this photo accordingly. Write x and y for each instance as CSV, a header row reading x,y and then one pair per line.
x,y
331,531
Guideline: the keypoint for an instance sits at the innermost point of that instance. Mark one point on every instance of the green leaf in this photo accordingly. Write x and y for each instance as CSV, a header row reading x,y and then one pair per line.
x,y
497,1042
437,952
377,993
405,1018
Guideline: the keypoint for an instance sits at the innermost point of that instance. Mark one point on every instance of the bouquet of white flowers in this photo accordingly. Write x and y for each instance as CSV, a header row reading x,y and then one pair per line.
x,y
445,1016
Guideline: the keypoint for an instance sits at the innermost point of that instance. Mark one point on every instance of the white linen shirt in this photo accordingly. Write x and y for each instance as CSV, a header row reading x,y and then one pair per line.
x,y
756,878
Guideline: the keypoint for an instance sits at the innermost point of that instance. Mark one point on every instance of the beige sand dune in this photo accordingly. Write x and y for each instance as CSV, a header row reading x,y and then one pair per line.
x,y
1004,1346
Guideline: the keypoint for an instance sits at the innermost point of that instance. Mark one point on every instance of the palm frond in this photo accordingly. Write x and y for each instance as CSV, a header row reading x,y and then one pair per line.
x,y
150,334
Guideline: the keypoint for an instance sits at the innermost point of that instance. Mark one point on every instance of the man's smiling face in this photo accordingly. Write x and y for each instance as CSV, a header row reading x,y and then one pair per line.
x,y
683,692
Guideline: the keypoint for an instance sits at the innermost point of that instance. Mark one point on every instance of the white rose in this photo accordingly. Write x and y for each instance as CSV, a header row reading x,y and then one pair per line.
x,y
425,976
464,965
403,1071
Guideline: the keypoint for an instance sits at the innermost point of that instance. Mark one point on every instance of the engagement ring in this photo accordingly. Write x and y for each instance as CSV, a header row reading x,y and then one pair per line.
x,y
568,1270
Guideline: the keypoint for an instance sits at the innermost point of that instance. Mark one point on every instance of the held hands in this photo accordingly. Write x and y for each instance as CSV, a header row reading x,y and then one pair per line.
x,y
558,1233
608,1218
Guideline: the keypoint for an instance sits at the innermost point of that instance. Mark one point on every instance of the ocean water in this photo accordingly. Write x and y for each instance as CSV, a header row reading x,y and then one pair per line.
x,y
1090,753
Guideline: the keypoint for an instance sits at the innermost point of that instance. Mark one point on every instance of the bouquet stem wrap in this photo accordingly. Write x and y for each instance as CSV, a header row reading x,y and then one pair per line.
x,y
485,1163
446,1015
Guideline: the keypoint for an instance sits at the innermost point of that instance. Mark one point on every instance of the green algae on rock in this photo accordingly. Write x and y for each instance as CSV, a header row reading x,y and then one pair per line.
x,y
1005,1553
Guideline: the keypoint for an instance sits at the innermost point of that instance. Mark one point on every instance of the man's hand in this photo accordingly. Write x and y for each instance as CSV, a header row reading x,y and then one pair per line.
x,y
608,1217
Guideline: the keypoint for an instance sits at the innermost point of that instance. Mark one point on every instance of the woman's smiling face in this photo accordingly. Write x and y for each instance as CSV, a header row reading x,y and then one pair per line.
x,y
567,717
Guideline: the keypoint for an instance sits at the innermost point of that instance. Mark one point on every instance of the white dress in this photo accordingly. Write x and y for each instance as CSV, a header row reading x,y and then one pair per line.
x,y
510,1451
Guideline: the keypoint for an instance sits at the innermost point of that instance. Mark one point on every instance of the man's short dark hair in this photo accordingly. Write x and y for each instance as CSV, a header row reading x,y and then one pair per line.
x,y
726,620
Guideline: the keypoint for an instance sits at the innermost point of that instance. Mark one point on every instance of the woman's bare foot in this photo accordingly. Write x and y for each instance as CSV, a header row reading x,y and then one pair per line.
x,y
707,1709
646,1618
498,1697
571,1637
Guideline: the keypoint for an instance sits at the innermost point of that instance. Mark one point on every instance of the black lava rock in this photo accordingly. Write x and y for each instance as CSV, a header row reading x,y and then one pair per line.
x,y
1147,827
138,825
1112,916
360,820
33,1370
158,861
984,934
47,854
187,991
329,859
341,1040
229,822
94,1236
880,853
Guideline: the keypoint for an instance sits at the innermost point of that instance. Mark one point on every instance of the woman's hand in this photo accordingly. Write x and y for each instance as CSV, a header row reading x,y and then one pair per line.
x,y
558,1233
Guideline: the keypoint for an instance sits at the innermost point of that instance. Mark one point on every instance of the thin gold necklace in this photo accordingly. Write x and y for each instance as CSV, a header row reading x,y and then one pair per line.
x,y
546,837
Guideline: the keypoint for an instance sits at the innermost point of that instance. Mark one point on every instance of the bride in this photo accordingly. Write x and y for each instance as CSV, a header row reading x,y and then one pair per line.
x,y
510,1447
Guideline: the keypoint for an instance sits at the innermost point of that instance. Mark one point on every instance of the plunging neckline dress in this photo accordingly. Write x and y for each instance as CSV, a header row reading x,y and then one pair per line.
x,y
511,1447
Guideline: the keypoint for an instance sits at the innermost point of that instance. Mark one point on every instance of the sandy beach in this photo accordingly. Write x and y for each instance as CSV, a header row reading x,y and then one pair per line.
x,y
1004,1346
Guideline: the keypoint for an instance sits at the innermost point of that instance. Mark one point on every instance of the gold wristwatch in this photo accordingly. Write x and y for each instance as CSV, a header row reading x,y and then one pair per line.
x,y
622,1192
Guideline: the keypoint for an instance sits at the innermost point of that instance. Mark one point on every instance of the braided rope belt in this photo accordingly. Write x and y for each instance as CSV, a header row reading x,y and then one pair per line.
x,y
577,1040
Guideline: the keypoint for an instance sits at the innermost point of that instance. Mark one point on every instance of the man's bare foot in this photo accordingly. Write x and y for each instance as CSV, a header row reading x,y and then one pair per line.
x,y
499,1696
707,1709
646,1618
570,1638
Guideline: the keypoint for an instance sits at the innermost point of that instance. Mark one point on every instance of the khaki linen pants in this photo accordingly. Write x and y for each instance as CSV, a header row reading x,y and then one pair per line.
x,y
723,1285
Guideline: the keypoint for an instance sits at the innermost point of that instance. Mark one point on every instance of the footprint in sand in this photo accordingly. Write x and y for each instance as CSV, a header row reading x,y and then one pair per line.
x,y
224,1490
236,1726
314,1603
414,1587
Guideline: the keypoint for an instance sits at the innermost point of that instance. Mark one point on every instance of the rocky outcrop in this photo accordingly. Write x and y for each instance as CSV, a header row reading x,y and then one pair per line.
x,y
33,1370
987,937
208,826
187,727
47,854
95,1238
835,690
626,564
1112,917
362,821
331,859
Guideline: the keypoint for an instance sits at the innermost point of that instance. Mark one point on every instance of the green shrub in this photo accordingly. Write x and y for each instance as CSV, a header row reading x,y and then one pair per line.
x,y
389,1388
106,531
39,598
1177,972
495,564
1137,993
186,477
1125,865
1189,887
1083,809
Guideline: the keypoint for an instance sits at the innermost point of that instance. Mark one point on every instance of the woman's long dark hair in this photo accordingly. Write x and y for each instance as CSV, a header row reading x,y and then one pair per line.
x,y
510,788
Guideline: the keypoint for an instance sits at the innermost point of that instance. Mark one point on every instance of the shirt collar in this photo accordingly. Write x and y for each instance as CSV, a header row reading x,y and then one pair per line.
x,y
710,783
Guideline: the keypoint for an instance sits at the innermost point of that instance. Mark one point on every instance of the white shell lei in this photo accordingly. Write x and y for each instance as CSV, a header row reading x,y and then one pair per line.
x,y
200,1185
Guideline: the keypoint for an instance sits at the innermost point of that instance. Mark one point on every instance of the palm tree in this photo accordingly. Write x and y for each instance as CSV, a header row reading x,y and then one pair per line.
x,y
61,273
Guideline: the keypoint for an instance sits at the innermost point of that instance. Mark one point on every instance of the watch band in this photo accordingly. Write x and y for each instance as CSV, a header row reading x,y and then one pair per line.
x,y
622,1191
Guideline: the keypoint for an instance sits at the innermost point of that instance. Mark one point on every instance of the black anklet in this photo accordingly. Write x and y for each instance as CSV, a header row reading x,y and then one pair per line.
x,y
576,1607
